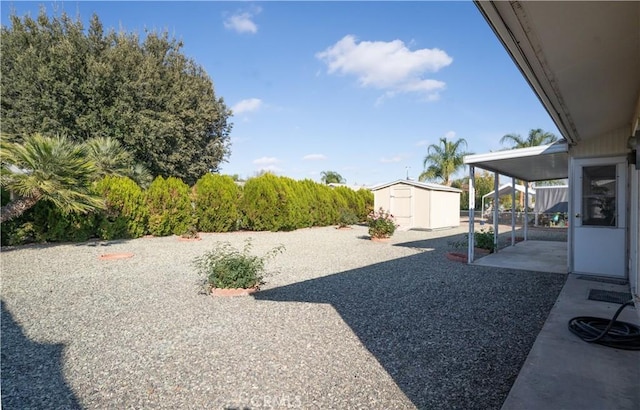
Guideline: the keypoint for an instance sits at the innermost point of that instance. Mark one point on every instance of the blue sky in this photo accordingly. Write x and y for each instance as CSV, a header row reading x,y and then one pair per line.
x,y
361,88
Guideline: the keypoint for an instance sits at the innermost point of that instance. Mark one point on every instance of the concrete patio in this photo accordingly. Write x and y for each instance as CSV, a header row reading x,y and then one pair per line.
x,y
538,256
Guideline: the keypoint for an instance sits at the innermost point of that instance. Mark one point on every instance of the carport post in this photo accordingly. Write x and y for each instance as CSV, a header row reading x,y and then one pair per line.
x,y
513,211
472,205
526,209
496,205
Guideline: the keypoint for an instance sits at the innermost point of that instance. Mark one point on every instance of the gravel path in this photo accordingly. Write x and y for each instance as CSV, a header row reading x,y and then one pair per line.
x,y
342,323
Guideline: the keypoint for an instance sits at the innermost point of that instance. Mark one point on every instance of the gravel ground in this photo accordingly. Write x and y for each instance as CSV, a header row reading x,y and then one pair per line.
x,y
342,323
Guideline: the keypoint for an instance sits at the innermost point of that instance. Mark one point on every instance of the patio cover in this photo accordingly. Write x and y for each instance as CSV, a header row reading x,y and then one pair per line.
x,y
539,163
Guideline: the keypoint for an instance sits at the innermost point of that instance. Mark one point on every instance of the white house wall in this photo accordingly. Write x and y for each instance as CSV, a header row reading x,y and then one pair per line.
x,y
610,144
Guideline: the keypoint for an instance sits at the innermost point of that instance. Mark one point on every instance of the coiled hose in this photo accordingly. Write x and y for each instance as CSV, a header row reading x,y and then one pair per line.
x,y
612,333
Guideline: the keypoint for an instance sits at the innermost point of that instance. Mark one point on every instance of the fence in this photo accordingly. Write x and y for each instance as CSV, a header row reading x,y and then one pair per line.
x,y
504,218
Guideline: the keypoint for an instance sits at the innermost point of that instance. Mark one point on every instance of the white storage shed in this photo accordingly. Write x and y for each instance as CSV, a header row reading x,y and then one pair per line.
x,y
419,205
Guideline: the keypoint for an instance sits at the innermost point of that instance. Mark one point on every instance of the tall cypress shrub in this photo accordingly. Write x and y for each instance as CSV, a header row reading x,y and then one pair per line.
x,y
216,203
170,209
126,212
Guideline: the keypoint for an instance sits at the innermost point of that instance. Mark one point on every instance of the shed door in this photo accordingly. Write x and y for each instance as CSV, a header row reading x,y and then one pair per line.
x,y
599,220
401,200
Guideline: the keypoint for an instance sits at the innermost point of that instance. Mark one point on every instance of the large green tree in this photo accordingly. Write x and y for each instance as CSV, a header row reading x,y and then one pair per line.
x,y
50,169
443,160
59,79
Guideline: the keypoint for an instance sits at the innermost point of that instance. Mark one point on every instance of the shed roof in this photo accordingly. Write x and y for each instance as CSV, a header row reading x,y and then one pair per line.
x,y
423,185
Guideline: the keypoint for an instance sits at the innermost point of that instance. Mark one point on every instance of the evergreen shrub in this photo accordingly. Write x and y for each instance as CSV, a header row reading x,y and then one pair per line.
x,y
126,214
216,203
169,204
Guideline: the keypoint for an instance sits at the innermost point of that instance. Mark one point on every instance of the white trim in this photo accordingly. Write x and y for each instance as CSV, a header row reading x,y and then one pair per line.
x,y
556,148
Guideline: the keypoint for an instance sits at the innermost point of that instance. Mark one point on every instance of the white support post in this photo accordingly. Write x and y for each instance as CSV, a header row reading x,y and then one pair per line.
x,y
526,210
513,211
472,206
496,205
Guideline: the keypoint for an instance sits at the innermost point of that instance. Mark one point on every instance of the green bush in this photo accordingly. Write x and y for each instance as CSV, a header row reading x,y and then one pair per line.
x,y
47,223
216,203
347,217
228,268
381,224
366,197
268,204
170,209
126,212
484,240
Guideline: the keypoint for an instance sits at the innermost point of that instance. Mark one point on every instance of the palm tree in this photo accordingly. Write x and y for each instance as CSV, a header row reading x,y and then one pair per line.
x,y
329,177
47,168
536,137
109,157
443,160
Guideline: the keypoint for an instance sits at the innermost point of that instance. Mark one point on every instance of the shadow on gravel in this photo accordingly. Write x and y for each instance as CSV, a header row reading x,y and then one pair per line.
x,y
450,335
32,372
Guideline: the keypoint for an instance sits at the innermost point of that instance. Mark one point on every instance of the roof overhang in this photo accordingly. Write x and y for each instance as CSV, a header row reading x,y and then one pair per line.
x,y
582,59
539,163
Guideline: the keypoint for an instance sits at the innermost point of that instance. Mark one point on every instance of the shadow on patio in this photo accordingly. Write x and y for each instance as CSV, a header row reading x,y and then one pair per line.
x,y
450,335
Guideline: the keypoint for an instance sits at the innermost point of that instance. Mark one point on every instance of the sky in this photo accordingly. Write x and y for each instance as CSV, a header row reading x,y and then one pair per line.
x,y
359,88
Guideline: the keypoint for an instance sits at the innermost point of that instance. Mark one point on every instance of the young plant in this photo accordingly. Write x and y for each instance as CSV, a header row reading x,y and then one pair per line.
x,y
381,224
347,217
229,268
484,240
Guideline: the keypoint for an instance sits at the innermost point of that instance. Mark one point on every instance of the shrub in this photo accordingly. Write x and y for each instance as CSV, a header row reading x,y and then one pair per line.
x,y
381,224
216,203
268,204
170,209
347,217
228,268
484,240
126,212
367,199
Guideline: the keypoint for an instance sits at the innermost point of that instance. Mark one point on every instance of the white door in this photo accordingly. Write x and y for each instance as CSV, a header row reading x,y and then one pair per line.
x,y
401,201
599,216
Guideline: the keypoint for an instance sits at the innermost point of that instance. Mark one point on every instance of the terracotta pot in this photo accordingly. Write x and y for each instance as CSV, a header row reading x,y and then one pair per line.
x,y
181,239
376,239
233,292
109,256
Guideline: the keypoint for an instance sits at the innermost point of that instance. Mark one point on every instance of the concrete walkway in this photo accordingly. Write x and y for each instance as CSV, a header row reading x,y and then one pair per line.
x,y
564,372
538,256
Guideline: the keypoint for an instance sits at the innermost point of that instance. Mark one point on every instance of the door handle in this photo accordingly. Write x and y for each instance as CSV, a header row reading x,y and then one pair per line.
x,y
578,215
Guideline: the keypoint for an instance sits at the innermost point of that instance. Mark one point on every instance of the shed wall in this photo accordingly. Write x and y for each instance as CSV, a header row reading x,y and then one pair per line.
x,y
444,209
421,215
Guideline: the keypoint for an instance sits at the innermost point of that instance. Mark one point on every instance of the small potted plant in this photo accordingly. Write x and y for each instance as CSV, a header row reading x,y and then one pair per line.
x,y
381,224
231,272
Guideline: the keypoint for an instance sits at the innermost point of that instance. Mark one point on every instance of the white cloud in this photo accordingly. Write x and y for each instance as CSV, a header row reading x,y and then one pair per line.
x,y
395,158
422,143
450,135
242,22
248,105
314,157
266,161
389,66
